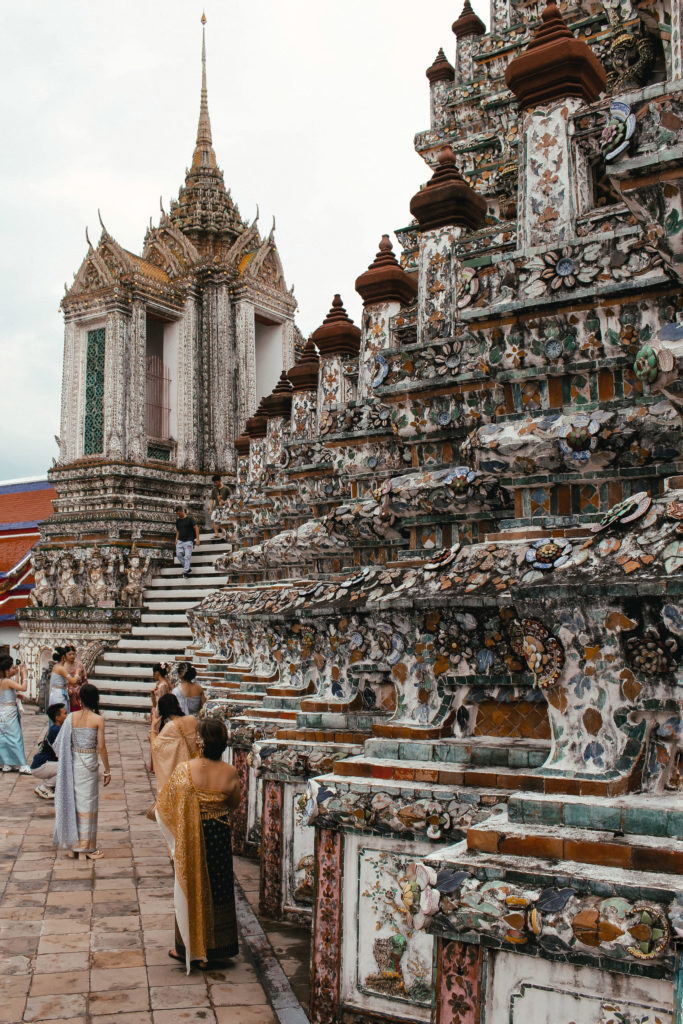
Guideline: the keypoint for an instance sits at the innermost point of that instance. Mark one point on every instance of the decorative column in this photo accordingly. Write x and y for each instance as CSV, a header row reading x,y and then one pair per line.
x,y
221,369
115,383
551,79
458,982
384,288
327,926
278,408
446,208
304,379
245,337
676,42
500,16
136,392
68,429
337,339
187,447
270,897
467,29
288,350
238,820
242,469
441,75
257,428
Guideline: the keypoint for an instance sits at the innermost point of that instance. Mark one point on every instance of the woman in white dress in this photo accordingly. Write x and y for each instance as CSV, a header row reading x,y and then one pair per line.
x,y
80,741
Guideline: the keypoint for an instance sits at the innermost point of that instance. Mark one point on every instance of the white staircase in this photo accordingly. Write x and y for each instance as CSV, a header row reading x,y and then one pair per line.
x,y
123,674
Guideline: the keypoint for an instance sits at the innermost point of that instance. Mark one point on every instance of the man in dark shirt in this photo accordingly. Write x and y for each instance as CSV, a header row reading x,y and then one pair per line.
x,y
186,536
44,764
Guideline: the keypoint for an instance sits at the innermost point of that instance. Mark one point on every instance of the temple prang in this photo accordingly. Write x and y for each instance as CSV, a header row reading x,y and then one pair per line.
x,y
448,651
166,355
452,626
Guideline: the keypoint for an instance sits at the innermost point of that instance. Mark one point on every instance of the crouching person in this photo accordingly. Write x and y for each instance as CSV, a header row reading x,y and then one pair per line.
x,y
44,764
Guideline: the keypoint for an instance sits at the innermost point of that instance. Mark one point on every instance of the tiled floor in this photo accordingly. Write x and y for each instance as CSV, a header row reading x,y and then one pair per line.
x,y
88,941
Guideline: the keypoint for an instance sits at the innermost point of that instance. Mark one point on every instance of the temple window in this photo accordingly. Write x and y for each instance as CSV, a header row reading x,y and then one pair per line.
x,y
160,408
93,428
268,353
604,192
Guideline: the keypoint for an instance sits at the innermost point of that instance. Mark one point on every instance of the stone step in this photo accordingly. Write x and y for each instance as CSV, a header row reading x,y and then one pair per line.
x,y
169,606
108,684
123,674
185,590
139,658
658,814
177,620
510,779
150,644
476,751
152,632
128,701
106,671
269,714
319,736
498,835
194,580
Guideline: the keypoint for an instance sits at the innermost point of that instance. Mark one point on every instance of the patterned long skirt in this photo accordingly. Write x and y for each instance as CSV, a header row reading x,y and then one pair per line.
x,y
218,851
11,739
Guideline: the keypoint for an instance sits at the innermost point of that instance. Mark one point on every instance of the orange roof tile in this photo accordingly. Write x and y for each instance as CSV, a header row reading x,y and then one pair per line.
x,y
25,506
13,548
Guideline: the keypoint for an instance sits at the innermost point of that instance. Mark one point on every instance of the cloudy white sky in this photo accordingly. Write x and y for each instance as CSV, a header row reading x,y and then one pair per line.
x,y
313,107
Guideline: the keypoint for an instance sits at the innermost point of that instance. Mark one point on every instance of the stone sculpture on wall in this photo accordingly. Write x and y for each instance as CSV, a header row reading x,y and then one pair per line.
x,y
136,575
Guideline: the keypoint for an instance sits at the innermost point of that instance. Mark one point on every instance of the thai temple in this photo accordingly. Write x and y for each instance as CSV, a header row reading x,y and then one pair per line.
x,y
446,629
168,354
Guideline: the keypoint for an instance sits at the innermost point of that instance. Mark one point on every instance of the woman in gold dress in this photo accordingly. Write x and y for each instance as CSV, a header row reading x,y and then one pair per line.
x,y
193,810
174,738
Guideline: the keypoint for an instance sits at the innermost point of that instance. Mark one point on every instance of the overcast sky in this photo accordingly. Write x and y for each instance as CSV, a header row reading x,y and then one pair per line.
x,y
313,109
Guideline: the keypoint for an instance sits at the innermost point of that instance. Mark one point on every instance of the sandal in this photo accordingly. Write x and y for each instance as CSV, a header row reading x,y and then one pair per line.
x,y
174,956
92,854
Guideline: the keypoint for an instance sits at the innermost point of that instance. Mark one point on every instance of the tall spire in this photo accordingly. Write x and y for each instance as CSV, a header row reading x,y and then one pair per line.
x,y
204,210
204,155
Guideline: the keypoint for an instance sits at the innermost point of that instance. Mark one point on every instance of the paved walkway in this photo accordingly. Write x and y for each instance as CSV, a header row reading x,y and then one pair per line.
x,y
87,942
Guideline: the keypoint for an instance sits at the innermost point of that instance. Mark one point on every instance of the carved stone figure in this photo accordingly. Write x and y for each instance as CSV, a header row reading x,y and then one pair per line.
x,y
633,57
98,589
69,592
44,592
136,578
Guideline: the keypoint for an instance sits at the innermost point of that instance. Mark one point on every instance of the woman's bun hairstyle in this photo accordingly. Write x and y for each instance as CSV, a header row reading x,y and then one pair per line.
x,y
213,736
60,652
187,672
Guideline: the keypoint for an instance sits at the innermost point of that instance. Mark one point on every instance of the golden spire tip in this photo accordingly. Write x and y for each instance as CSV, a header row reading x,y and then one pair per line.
x,y
203,18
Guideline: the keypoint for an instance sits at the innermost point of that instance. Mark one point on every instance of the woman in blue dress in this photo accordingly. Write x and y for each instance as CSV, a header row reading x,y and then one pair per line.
x,y
191,696
64,674
12,682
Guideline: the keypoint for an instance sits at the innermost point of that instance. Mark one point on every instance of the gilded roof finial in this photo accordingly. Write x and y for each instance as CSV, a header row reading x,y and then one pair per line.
x,y
204,155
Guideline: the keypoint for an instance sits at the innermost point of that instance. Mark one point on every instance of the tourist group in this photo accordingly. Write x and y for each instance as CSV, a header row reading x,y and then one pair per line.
x,y
196,789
